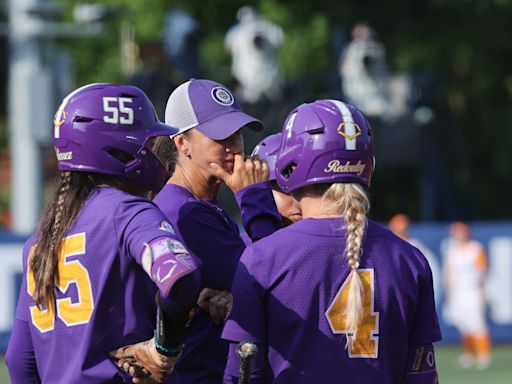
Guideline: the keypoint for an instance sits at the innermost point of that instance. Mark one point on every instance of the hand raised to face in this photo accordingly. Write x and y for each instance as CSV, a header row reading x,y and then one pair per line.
x,y
246,171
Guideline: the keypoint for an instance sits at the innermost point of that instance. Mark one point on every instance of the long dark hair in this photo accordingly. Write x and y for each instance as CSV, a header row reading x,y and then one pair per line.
x,y
66,202
165,149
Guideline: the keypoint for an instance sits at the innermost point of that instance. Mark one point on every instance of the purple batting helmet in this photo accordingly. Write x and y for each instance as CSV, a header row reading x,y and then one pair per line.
x,y
326,141
267,150
104,128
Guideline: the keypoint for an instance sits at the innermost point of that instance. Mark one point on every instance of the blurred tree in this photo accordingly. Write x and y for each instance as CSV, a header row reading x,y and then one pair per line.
x,y
462,44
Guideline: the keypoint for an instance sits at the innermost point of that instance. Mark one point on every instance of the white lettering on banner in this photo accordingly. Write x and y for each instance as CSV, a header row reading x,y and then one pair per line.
x,y
10,265
335,167
499,280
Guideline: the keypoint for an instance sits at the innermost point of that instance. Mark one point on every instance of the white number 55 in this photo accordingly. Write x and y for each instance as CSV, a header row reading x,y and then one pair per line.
x,y
120,113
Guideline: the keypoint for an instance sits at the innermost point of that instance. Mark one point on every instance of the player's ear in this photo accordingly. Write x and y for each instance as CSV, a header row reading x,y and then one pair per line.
x,y
182,144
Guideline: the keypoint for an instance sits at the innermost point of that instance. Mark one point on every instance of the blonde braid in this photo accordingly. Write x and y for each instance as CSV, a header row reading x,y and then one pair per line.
x,y
352,202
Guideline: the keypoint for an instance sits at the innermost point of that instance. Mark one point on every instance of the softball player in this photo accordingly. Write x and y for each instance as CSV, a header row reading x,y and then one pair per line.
x,y
334,296
101,250
208,150
465,270
288,208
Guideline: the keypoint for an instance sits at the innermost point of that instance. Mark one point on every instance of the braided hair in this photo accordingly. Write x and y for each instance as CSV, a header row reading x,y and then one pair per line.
x,y
64,205
353,203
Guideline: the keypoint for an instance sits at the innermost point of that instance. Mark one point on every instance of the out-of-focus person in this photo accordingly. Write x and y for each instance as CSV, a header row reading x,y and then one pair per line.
x,y
155,76
465,271
254,43
363,71
400,225
182,38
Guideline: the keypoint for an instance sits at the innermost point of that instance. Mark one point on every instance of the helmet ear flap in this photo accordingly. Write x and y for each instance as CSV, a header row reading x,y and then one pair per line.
x,y
267,149
147,169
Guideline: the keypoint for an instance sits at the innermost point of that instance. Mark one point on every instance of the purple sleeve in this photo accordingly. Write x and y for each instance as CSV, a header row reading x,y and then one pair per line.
x,y
258,208
247,319
20,358
22,308
140,223
425,327
420,367
245,237
137,222
214,240
232,371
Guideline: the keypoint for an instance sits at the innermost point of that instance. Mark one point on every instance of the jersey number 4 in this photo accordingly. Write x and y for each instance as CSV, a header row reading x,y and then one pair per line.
x,y
365,342
70,272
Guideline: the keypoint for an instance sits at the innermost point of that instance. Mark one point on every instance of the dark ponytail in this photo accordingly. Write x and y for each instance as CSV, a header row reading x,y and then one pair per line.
x,y
165,149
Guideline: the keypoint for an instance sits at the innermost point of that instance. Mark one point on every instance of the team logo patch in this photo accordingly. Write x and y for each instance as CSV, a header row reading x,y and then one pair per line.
x,y
222,96
59,118
167,227
186,260
177,247
349,130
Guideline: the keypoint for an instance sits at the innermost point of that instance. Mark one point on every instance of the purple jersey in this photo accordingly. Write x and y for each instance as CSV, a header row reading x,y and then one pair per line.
x,y
105,299
214,238
290,290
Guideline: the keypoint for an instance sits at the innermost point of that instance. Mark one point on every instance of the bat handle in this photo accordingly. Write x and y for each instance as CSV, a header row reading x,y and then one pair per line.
x,y
246,351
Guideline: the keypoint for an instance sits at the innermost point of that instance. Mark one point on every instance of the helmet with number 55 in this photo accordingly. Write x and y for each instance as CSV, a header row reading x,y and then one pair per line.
x,y
104,128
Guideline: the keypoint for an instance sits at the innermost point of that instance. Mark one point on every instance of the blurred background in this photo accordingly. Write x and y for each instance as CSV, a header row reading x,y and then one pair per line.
x,y
434,76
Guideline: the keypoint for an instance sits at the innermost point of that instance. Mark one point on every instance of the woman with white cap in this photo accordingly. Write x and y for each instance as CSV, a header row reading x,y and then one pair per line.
x,y
209,150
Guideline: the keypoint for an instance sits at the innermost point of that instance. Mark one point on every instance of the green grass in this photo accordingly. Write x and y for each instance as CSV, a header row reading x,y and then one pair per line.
x,y
4,377
499,372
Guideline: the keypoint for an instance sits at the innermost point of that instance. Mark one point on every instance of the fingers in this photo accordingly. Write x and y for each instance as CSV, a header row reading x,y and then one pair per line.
x,y
257,163
265,170
204,298
239,163
246,172
256,169
121,353
215,309
220,307
143,362
137,371
219,172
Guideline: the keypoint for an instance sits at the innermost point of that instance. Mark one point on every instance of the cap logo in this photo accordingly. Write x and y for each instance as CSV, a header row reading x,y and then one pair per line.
x,y
222,96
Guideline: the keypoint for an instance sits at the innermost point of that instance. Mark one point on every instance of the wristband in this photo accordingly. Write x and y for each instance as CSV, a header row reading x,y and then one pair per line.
x,y
169,352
